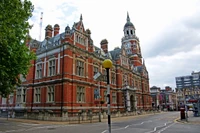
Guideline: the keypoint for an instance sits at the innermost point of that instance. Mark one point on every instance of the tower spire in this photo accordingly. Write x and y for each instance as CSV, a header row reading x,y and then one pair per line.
x,y
81,18
128,19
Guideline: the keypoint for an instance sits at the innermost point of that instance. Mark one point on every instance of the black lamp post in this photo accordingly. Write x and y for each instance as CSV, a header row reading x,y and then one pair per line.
x,y
108,64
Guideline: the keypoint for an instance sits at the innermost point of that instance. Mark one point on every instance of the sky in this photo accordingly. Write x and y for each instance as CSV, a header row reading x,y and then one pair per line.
x,y
169,30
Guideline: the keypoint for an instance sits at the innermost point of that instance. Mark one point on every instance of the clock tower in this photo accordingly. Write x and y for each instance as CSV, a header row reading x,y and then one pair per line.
x,y
131,44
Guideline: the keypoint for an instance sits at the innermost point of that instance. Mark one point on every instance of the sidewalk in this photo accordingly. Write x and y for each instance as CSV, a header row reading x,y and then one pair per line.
x,y
191,119
67,122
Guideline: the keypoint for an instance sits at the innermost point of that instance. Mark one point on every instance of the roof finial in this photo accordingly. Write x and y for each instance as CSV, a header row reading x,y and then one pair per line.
x,y
81,18
128,19
143,62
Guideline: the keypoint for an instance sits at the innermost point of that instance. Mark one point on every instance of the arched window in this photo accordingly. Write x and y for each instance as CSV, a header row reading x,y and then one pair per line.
x,y
131,32
127,32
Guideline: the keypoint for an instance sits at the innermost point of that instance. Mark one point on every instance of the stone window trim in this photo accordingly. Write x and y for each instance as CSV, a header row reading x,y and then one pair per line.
x,y
22,78
95,69
80,67
104,77
37,95
51,94
38,70
81,39
114,97
80,94
11,99
51,67
21,95
113,77
3,100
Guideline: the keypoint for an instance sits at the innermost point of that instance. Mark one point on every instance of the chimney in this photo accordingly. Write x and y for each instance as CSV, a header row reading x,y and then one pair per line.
x,y
104,45
48,33
56,29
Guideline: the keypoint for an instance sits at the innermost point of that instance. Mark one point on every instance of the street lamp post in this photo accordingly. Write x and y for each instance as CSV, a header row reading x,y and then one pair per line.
x,y
185,105
107,64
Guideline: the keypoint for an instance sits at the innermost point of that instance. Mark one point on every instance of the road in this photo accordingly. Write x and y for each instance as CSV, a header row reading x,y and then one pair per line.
x,y
158,123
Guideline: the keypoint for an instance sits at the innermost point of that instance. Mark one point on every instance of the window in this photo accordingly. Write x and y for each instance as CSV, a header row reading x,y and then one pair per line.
x,y
39,70
80,96
114,97
80,68
18,95
21,95
105,96
125,79
132,82
22,78
96,70
11,99
4,100
52,67
113,78
96,93
50,94
127,32
124,60
131,32
104,75
37,94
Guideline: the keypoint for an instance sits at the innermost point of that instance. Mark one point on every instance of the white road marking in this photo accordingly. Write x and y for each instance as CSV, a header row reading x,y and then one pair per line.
x,y
10,131
166,128
104,131
155,128
128,126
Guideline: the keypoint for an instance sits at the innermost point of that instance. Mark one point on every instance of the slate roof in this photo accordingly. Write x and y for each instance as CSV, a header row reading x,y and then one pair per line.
x,y
115,53
50,43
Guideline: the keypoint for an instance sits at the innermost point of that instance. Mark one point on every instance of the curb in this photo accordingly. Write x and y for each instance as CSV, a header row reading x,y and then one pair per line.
x,y
67,122
177,120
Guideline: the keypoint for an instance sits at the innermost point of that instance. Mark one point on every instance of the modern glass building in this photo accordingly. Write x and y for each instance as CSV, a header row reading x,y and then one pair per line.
x,y
190,81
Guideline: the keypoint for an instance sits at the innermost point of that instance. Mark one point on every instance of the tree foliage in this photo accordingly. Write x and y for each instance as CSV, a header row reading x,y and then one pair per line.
x,y
15,57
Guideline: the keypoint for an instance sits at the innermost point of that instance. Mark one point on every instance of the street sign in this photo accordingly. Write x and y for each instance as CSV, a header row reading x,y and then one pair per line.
x,y
97,76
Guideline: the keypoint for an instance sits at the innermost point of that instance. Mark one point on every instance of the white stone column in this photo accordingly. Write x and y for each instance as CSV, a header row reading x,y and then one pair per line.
x,y
59,63
74,62
45,59
128,101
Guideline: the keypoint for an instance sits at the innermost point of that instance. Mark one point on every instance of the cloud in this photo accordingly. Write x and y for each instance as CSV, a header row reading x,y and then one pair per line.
x,y
164,68
169,31
62,13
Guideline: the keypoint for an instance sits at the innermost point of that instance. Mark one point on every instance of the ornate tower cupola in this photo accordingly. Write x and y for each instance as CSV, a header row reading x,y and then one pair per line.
x,y
131,43
129,28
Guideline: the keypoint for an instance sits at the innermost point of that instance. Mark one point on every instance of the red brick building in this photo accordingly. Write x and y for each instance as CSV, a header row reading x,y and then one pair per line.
x,y
61,78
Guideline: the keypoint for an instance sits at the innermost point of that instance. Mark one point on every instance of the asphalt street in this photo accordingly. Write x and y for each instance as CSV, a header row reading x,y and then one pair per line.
x,y
158,123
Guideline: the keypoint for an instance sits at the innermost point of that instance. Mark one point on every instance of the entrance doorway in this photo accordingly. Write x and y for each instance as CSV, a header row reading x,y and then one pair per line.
x,y
132,103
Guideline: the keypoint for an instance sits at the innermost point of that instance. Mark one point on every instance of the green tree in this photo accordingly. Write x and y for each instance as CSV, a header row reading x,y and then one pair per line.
x,y
15,57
